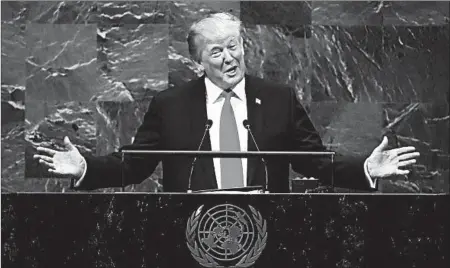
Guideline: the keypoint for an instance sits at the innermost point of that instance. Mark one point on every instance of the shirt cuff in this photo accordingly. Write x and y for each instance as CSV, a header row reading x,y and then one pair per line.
x,y
84,174
372,182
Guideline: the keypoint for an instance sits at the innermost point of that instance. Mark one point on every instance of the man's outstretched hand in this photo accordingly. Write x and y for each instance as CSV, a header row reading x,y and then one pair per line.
x,y
383,163
69,163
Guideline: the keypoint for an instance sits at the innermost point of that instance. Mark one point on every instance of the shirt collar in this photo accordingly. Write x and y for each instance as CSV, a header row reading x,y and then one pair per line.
x,y
213,92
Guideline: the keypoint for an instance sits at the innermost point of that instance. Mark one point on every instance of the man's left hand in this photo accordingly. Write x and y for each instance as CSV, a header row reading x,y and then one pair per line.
x,y
383,163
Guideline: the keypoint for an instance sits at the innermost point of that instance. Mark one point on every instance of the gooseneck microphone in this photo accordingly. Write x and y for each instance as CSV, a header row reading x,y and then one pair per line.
x,y
247,126
208,125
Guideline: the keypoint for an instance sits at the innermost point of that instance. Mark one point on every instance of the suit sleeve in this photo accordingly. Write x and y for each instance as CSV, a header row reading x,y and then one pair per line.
x,y
107,171
345,172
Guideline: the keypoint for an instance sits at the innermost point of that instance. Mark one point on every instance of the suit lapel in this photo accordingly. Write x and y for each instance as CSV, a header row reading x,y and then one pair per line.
x,y
255,119
198,118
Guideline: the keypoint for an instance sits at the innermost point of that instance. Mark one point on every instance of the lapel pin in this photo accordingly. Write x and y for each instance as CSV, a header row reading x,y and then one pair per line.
x,y
258,101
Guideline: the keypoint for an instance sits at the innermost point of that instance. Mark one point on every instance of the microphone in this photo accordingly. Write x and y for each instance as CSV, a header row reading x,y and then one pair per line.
x,y
208,125
247,126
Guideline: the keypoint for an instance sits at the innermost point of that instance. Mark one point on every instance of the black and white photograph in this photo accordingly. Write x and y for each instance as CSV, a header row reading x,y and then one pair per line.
x,y
226,133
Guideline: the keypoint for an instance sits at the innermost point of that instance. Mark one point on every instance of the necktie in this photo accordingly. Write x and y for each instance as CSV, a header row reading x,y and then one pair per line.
x,y
231,168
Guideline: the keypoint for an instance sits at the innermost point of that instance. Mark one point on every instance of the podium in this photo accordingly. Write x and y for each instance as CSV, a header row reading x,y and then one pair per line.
x,y
299,185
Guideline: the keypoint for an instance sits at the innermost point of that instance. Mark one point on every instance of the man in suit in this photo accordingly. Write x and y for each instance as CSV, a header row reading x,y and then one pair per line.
x,y
176,120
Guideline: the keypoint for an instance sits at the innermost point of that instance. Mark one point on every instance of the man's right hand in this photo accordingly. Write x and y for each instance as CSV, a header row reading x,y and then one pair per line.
x,y
69,163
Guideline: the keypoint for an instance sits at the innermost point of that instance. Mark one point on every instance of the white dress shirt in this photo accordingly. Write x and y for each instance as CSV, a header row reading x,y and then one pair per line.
x,y
214,104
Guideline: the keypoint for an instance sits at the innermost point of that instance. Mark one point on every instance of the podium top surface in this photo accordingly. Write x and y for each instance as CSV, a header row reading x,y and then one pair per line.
x,y
226,153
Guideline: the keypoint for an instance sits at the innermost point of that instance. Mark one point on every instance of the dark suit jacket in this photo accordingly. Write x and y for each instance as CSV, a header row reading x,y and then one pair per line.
x,y
176,119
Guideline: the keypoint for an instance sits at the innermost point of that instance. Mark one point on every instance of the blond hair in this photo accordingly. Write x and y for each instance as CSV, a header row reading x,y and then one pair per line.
x,y
215,21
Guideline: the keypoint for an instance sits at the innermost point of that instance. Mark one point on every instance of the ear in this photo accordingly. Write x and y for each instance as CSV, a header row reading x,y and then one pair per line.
x,y
199,69
242,46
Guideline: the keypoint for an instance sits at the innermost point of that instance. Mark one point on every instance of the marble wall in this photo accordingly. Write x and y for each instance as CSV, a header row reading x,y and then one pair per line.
x,y
89,70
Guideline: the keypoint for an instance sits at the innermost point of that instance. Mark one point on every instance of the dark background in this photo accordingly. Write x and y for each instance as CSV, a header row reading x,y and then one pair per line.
x,y
89,70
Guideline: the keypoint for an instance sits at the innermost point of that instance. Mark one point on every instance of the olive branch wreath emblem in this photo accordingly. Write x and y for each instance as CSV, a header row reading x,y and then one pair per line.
x,y
208,261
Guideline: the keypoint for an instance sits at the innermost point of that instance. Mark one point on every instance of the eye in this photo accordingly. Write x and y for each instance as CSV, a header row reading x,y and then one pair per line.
x,y
233,47
215,52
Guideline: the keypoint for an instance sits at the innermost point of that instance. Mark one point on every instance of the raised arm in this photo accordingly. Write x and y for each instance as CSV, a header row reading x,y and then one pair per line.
x,y
347,171
93,172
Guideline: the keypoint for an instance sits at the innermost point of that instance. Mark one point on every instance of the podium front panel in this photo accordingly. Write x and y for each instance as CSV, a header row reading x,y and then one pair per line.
x,y
198,230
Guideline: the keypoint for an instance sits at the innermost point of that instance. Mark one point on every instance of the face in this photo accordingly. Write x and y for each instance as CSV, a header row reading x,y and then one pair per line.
x,y
222,56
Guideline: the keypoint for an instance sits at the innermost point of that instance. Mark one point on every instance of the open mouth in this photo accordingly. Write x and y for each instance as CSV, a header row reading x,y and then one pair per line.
x,y
231,71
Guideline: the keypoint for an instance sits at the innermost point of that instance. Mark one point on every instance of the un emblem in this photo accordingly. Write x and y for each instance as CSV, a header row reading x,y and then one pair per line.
x,y
226,236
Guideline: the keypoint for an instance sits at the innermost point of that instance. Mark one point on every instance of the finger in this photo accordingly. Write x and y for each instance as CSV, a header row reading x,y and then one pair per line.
x,y
408,156
46,150
383,145
47,164
403,150
406,163
402,172
68,144
43,157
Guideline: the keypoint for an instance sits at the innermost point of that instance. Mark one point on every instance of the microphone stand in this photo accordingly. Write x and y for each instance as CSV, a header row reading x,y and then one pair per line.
x,y
266,186
207,127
